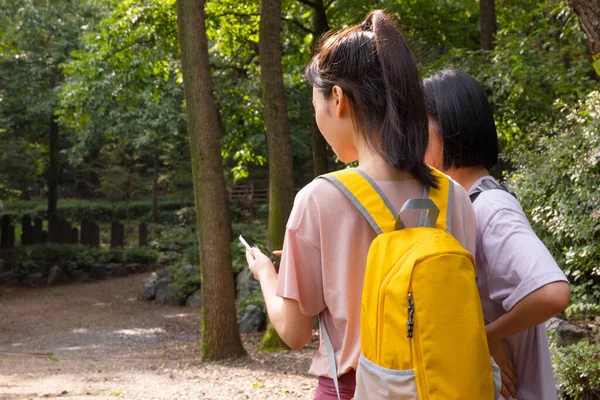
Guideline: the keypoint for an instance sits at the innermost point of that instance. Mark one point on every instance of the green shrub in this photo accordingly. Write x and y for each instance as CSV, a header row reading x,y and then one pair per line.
x,y
140,255
184,283
253,298
24,260
558,186
578,370
192,255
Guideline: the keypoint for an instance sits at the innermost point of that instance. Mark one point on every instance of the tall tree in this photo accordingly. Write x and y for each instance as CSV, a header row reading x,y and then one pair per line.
x,y
36,37
279,145
588,13
488,26
320,25
220,335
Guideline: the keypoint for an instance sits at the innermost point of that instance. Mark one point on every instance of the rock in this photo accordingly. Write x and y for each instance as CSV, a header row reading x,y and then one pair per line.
x,y
253,319
9,278
564,332
98,272
162,290
34,280
245,283
134,268
195,300
80,276
165,273
148,290
116,270
56,276
190,269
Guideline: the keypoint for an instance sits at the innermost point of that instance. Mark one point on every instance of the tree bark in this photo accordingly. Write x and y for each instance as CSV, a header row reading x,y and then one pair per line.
x,y
279,145
487,24
588,13
155,166
52,180
220,334
320,25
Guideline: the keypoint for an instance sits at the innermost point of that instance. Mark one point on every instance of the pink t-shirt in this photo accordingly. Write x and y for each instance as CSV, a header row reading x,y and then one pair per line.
x,y
324,258
511,263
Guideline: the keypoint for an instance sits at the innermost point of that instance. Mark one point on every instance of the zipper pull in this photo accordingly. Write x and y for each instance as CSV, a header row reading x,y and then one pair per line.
x,y
411,314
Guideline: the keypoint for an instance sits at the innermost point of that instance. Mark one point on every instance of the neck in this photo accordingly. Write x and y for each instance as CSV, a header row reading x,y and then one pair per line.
x,y
467,176
374,165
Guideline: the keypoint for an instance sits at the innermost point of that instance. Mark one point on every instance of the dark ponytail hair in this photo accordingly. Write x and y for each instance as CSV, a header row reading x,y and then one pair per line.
x,y
373,65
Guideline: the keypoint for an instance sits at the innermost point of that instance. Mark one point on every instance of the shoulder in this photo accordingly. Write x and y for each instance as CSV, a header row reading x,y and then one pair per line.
x,y
314,201
497,207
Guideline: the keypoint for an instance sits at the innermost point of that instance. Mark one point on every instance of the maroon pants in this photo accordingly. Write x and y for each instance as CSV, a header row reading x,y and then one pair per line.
x,y
326,387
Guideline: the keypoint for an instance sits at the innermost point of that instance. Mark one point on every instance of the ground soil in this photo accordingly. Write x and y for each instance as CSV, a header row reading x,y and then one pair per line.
x,y
99,340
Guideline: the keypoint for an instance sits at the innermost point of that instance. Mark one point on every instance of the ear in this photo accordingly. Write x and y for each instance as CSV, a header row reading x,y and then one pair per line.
x,y
340,101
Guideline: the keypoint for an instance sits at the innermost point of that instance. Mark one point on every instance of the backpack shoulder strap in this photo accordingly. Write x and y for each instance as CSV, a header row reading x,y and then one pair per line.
x,y
364,193
443,197
489,184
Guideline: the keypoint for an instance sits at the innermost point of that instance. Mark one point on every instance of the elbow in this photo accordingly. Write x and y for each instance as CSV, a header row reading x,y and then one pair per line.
x,y
296,339
557,297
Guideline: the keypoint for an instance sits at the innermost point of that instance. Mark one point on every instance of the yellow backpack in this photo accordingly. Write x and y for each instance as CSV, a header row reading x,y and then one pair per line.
x,y
422,331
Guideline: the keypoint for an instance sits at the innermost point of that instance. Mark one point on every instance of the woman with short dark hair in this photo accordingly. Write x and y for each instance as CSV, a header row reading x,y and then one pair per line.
x,y
520,284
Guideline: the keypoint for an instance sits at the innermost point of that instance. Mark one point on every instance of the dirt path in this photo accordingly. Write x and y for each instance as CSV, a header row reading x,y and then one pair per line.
x,y
97,341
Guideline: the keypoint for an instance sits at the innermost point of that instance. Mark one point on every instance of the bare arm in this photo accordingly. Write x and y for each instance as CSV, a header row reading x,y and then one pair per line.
x,y
532,310
294,328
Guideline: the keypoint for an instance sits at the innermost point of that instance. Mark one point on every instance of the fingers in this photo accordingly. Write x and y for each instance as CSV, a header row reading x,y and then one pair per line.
x,y
278,253
513,370
511,374
250,258
508,383
504,392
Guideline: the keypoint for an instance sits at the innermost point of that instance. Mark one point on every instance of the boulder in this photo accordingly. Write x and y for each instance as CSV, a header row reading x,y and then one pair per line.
x,y
98,272
253,319
245,283
34,280
195,300
56,276
162,290
564,332
80,276
9,278
190,269
148,290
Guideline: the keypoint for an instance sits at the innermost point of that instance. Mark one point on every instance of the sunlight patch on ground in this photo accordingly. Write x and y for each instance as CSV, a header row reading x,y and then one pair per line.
x,y
80,330
140,331
180,315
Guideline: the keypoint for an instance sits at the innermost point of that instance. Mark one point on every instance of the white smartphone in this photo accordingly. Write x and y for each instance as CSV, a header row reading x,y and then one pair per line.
x,y
246,245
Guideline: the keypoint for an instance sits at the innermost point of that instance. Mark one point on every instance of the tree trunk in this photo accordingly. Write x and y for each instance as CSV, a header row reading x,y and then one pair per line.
x,y
319,145
155,187
279,145
588,13
220,334
52,180
487,18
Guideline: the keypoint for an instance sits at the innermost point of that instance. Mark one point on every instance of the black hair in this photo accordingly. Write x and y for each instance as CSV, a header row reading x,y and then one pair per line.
x,y
373,65
459,105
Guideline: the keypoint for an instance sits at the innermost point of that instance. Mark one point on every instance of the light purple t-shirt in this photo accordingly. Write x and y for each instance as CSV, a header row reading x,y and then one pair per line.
x,y
511,263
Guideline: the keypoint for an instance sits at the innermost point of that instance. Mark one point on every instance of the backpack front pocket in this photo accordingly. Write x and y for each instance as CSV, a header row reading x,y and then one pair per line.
x,y
374,382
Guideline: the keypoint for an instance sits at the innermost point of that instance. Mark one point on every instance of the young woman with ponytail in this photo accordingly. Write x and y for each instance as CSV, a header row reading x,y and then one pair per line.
x,y
370,107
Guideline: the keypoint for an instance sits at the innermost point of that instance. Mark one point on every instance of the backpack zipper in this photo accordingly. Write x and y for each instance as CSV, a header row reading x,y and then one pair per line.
x,y
411,314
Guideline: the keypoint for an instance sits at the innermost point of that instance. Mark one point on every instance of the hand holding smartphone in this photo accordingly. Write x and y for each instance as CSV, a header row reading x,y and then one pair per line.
x,y
246,245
